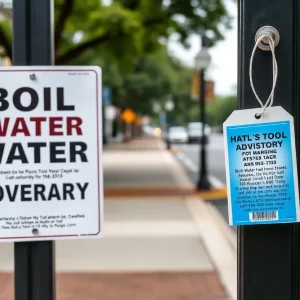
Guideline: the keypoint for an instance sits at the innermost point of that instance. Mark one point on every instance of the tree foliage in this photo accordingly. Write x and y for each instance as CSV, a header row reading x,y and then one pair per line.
x,y
217,111
126,28
220,109
153,77
128,39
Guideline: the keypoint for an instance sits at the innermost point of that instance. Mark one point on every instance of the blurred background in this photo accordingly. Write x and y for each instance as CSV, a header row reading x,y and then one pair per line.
x,y
169,72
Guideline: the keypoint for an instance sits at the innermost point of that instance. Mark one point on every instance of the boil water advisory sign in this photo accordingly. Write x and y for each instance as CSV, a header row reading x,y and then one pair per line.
x,y
50,153
261,168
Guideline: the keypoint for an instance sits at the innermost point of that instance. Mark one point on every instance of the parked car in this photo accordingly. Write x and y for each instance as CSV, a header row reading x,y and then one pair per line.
x,y
194,130
177,134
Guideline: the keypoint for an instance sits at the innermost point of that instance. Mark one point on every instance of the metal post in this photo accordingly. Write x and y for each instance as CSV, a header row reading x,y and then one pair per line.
x,y
203,182
33,45
168,132
268,255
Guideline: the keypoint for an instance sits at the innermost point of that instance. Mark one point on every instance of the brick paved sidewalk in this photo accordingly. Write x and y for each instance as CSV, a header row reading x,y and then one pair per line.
x,y
132,286
151,250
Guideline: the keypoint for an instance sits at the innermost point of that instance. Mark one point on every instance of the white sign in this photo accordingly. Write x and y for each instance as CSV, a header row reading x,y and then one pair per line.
x,y
50,153
261,167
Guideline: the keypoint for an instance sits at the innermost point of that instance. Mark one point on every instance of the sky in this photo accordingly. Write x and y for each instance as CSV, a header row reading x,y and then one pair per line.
x,y
223,69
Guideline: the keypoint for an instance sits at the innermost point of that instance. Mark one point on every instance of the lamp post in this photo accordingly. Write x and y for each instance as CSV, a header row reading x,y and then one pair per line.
x,y
202,61
169,106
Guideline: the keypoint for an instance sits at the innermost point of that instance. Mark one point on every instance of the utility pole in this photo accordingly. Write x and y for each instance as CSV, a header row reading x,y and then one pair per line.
x,y
268,255
33,45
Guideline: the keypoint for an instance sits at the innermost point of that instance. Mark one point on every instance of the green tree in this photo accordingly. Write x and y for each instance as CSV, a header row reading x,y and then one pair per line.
x,y
153,77
220,109
126,28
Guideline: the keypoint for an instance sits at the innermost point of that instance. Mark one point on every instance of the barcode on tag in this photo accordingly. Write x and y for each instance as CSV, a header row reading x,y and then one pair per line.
x,y
263,216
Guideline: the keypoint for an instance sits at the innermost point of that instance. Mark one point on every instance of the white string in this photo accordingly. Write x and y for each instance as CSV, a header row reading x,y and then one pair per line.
x,y
270,99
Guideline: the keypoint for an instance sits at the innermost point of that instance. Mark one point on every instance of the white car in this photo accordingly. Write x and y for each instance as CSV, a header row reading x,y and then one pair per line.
x,y
178,134
194,130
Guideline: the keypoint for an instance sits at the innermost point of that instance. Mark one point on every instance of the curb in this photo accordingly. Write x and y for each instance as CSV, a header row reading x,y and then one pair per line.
x,y
228,232
218,239
217,245
162,192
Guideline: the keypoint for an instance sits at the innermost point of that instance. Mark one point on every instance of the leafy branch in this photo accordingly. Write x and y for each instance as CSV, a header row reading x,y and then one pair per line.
x,y
80,48
66,11
6,43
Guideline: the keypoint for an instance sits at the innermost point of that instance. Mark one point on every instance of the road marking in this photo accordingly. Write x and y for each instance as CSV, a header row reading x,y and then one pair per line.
x,y
210,195
217,183
175,150
159,193
188,162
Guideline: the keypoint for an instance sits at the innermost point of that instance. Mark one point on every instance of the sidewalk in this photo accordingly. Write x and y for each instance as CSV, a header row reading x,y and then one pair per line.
x,y
153,249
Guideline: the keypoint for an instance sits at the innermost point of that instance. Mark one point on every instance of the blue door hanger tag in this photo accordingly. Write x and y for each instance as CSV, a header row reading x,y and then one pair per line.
x,y
261,168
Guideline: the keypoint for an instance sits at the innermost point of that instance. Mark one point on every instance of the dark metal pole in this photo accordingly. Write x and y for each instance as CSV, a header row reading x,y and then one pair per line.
x,y
33,45
168,131
268,255
203,182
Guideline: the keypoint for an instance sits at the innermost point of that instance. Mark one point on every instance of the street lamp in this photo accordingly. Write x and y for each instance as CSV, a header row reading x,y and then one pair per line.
x,y
202,61
169,106
156,107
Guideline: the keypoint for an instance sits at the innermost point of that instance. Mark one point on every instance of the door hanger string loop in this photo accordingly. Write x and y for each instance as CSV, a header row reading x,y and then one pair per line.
x,y
265,38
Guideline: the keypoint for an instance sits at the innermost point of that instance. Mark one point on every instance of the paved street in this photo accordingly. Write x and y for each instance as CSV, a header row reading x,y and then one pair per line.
x,y
188,156
215,153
